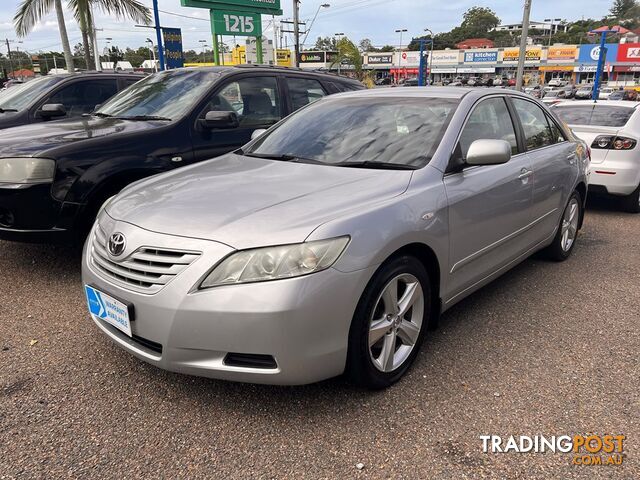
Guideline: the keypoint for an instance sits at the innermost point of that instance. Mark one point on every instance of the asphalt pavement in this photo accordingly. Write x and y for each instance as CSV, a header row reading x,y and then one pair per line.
x,y
549,348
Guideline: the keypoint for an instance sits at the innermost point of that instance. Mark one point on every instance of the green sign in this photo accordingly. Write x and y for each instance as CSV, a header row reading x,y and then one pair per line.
x,y
271,7
224,22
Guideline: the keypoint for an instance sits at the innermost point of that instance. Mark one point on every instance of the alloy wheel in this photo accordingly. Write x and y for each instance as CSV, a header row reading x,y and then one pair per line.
x,y
396,321
570,225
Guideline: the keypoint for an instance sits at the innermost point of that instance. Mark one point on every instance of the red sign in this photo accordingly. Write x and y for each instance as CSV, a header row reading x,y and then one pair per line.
x,y
629,52
404,55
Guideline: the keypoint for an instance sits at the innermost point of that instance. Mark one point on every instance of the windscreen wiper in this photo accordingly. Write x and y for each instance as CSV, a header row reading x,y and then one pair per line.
x,y
283,157
376,165
101,115
2,110
143,118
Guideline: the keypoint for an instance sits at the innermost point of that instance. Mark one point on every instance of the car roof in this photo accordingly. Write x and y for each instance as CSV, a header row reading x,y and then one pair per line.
x,y
97,74
607,103
230,69
431,92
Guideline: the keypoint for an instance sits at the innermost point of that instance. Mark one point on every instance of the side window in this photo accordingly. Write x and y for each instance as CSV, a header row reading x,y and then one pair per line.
x,y
82,97
304,91
556,134
489,120
534,122
256,100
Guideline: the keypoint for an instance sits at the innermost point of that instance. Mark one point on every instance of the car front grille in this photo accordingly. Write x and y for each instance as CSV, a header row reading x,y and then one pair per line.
x,y
146,270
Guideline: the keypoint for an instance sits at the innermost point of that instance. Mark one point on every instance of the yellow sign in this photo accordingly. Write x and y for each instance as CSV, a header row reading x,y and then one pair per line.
x,y
239,55
284,57
512,54
555,68
566,52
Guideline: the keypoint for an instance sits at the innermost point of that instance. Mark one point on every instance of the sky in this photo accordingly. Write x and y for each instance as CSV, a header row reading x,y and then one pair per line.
x,y
358,19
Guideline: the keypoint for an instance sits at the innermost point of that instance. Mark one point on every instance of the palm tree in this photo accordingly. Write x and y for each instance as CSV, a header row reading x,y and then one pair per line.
x,y
31,12
83,14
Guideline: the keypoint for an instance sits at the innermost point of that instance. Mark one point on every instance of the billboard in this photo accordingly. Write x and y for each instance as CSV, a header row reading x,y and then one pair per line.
x,y
629,52
590,53
511,55
172,39
271,7
379,59
481,56
446,57
225,22
312,57
565,53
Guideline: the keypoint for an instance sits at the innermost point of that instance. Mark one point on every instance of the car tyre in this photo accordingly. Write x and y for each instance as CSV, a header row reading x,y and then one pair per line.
x,y
389,324
631,203
567,234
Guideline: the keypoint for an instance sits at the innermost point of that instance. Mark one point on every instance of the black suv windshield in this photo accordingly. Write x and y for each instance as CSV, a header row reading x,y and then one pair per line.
x,y
19,97
361,132
169,94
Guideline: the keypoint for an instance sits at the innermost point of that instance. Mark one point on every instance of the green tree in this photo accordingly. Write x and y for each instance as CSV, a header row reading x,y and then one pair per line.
x,y
326,43
623,9
348,53
30,12
479,20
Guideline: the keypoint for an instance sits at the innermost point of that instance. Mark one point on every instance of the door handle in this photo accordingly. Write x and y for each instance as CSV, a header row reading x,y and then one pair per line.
x,y
572,158
525,173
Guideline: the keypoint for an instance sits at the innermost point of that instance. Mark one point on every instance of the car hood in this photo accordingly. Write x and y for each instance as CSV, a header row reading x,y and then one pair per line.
x,y
246,202
36,139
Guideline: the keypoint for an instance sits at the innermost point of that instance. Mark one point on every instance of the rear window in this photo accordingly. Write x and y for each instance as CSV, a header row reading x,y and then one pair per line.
x,y
601,115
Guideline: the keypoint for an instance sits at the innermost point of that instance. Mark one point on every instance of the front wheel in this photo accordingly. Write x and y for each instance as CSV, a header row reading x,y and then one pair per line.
x,y
567,234
631,203
389,323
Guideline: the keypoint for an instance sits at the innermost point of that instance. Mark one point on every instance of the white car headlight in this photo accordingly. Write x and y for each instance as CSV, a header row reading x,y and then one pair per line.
x,y
27,170
274,263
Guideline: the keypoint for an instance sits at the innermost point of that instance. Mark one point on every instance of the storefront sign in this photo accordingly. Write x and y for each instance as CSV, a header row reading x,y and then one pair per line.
x,y
312,57
446,57
476,69
379,59
511,55
590,69
565,53
483,56
284,57
629,52
172,39
271,7
591,53
408,59
555,68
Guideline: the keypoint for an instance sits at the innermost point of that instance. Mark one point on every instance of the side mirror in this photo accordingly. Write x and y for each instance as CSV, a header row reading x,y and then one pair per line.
x,y
488,152
50,110
222,120
258,133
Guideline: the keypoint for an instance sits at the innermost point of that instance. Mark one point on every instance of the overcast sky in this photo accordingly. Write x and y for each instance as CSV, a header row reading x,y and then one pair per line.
x,y
374,19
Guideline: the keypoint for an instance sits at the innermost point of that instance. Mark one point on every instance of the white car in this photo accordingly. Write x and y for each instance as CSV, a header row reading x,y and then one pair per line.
x,y
605,92
612,129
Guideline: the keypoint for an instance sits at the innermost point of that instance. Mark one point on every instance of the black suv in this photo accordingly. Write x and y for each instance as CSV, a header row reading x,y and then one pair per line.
x,y
60,96
54,176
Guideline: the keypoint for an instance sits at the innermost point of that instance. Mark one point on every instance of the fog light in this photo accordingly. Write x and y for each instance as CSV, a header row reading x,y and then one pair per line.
x,y
6,218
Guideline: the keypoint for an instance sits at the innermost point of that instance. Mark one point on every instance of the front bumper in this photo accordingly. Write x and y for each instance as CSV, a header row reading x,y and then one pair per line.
x,y
619,173
30,213
303,323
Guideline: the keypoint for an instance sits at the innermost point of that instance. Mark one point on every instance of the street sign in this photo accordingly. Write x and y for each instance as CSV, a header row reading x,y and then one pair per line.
x,y
271,7
224,22
172,39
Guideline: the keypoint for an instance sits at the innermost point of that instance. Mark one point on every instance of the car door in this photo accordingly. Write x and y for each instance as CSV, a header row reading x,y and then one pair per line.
x,y
81,96
489,206
256,99
552,160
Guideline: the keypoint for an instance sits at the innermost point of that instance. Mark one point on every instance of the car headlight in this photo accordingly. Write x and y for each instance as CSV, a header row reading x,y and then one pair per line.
x,y
274,263
27,170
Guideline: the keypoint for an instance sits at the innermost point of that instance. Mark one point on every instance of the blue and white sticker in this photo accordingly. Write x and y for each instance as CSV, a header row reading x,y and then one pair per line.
x,y
108,309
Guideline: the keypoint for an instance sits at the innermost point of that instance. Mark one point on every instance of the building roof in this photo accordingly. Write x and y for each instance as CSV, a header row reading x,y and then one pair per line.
x,y
475,42
617,28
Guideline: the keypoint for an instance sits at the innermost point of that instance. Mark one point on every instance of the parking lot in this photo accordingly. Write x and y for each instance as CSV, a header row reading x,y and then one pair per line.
x,y
547,349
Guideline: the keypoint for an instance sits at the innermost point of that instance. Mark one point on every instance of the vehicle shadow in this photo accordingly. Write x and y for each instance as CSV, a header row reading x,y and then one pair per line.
x,y
43,259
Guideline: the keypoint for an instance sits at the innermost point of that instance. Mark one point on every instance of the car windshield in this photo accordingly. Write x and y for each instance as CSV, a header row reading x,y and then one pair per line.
x,y
19,97
552,93
601,115
389,131
169,94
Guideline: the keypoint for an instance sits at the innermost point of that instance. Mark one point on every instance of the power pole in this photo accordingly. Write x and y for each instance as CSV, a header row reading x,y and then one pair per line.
x,y
296,31
9,55
523,44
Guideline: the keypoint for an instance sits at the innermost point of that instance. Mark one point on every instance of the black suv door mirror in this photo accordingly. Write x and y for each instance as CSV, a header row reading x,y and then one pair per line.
x,y
222,120
50,110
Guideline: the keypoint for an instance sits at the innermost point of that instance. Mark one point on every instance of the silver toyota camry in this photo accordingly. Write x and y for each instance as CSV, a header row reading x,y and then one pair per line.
x,y
331,243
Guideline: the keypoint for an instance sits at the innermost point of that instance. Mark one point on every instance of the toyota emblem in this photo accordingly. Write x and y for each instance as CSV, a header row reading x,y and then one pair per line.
x,y
117,244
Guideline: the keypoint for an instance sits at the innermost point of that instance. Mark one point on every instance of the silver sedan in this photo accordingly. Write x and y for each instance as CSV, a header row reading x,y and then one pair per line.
x,y
332,242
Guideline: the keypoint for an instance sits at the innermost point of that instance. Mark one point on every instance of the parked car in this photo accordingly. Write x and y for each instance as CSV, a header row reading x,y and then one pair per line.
x,y
55,175
383,81
612,129
511,82
53,97
498,81
567,92
410,82
552,97
605,92
333,241
557,82
584,92
630,95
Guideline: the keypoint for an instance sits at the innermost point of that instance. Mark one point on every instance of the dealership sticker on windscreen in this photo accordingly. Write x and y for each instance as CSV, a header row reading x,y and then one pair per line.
x,y
108,309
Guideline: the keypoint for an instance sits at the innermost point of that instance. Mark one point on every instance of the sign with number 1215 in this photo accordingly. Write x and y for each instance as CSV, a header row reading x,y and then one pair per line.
x,y
236,23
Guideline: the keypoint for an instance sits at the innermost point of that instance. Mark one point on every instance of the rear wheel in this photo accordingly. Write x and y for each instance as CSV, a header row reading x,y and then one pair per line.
x,y
567,234
389,324
631,203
